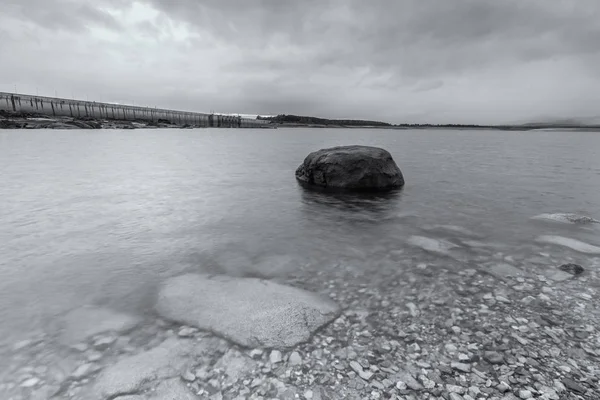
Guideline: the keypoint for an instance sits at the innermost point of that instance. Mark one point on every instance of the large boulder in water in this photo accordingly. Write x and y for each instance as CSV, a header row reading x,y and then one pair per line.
x,y
359,168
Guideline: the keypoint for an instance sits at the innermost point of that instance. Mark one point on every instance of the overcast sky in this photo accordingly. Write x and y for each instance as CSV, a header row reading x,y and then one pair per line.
x,y
454,61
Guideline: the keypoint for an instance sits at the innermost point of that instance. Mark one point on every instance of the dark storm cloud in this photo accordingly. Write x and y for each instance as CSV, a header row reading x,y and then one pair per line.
x,y
413,36
396,60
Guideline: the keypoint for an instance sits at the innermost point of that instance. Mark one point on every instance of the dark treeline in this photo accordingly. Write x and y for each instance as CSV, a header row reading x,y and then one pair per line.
x,y
297,119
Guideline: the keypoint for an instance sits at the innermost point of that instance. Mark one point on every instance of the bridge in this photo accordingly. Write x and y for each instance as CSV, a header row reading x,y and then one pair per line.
x,y
59,107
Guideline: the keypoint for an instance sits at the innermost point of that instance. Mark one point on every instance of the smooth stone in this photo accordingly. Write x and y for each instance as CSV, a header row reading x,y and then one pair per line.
x,y
130,374
359,168
250,312
87,321
295,358
567,218
83,370
29,383
572,244
432,245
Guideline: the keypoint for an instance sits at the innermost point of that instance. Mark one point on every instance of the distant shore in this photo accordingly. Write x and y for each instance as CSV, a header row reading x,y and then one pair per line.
x,y
295,121
452,127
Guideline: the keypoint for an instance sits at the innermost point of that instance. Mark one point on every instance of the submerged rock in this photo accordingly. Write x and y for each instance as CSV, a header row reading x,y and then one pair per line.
x,y
432,245
573,269
504,271
452,229
567,218
360,168
573,244
248,311
85,322
131,374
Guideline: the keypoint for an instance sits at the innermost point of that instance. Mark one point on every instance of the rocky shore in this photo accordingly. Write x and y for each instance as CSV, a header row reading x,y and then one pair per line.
x,y
420,323
33,121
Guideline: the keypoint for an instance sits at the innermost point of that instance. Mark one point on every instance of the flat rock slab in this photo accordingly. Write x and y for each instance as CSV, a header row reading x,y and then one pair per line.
x,y
250,312
131,374
85,322
573,244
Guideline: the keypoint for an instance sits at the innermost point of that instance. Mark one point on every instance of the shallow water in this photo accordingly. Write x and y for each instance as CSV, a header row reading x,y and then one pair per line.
x,y
100,217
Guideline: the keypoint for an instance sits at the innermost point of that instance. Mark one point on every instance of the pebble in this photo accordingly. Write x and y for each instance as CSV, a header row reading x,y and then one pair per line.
x,y
401,385
493,357
81,347
456,396
573,386
460,366
366,375
188,376
256,353
104,342
82,371
456,389
295,358
94,356
503,387
31,382
186,331
308,395
22,344
525,394
275,357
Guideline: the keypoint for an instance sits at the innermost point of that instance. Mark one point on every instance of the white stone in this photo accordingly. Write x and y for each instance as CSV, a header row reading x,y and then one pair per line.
x,y
275,357
82,371
248,311
31,382
295,358
525,394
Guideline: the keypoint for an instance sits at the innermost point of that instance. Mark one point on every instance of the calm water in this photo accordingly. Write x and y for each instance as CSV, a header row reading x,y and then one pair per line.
x,y
102,216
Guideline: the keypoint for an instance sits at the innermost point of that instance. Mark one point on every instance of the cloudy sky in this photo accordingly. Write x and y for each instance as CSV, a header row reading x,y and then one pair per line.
x,y
441,61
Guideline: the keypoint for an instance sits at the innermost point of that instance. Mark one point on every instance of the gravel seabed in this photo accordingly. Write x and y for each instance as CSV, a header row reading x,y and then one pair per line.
x,y
414,325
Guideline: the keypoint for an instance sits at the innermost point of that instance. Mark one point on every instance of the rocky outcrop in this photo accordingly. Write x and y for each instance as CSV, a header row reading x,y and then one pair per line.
x,y
250,312
357,168
567,218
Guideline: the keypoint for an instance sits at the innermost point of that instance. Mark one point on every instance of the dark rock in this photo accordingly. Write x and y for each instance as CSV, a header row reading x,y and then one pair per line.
x,y
572,269
573,386
358,168
493,357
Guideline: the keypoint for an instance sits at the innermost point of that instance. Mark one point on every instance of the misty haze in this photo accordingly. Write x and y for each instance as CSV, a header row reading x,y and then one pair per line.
x,y
316,200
